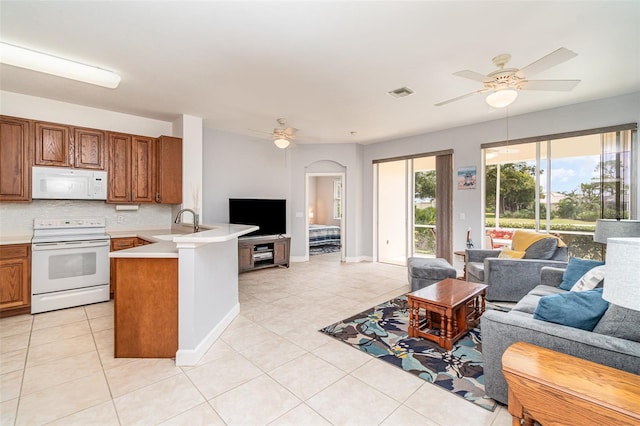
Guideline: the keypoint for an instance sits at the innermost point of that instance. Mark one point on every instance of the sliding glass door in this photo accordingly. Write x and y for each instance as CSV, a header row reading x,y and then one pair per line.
x,y
392,212
413,208
424,206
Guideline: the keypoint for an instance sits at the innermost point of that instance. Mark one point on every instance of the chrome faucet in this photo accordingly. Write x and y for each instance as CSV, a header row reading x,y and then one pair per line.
x,y
196,226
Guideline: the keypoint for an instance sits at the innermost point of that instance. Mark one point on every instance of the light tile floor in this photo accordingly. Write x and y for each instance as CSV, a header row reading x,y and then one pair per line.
x,y
271,365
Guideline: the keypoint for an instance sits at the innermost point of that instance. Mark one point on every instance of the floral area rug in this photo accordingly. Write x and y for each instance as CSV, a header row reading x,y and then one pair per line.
x,y
381,332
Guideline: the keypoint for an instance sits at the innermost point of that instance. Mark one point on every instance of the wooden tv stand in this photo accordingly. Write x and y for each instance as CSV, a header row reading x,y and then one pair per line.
x,y
263,252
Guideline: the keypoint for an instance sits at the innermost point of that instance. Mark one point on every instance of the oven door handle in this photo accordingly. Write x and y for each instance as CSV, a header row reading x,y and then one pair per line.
x,y
69,245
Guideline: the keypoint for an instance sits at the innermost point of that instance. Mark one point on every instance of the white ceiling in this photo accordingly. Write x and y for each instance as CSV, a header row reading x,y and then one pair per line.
x,y
325,66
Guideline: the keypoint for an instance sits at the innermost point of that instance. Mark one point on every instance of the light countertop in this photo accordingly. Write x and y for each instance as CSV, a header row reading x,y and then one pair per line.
x,y
165,248
15,239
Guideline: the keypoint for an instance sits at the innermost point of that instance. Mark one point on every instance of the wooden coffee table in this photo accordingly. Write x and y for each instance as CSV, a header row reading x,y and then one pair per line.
x,y
445,311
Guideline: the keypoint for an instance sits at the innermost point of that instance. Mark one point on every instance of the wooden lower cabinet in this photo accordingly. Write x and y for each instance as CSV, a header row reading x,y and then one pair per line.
x,y
119,244
146,308
15,279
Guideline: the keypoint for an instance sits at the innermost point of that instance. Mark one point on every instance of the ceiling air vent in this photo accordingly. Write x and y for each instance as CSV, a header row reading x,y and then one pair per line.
x,y
401,92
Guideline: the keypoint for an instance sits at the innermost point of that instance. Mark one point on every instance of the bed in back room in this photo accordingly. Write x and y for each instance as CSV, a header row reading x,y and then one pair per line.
x,y
324,236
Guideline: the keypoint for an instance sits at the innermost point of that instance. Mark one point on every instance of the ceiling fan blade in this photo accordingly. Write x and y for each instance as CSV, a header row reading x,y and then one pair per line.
x,y
472,75
259,131
552,59
290,131
554,85
461,97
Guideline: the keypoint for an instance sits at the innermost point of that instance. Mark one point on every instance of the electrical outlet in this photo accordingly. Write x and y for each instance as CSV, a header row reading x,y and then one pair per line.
x,y
120,219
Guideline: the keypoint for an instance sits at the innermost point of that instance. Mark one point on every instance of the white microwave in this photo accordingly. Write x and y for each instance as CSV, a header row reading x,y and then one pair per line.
x,y
60,183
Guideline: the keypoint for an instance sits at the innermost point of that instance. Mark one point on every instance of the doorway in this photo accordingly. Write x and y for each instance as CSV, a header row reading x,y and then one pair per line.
x,y
325,214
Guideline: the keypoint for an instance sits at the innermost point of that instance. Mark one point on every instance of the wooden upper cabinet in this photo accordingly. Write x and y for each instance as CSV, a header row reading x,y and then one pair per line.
x,y
169,170
131,169
59,145
119,177
143,168
15,159
90,148
53,145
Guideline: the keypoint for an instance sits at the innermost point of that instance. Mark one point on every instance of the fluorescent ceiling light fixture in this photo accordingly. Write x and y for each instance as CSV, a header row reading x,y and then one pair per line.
x,y
281,143
41,62
502,98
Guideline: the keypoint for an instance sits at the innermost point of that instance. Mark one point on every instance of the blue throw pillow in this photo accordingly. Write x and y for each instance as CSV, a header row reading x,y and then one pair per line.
x,y
577,309
575,270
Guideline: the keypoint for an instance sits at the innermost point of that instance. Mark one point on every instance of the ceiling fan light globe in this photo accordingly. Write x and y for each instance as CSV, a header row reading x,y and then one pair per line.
x,y
502,98
281,143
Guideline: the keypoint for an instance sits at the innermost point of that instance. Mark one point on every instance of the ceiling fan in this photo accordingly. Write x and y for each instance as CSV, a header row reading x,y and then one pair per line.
x,y
504,83
282,136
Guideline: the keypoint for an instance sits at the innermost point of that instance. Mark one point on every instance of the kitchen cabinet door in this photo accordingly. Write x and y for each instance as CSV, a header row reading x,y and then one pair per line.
x,y
281,252
119,177
15,279
169,170
143,167
53,145
89,148
15,159
118,244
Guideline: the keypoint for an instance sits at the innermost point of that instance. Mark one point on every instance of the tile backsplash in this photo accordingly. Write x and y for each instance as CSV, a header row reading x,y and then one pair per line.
x,y
17,218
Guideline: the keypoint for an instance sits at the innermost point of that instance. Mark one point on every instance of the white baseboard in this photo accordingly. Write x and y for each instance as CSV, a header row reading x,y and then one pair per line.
x,y
192,356
353,259
356,259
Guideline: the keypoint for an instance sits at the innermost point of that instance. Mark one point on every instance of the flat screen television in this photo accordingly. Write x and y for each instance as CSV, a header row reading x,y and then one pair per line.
x,y
269,215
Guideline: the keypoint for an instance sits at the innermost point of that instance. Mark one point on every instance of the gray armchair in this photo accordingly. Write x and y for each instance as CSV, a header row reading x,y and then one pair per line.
x,y
509,280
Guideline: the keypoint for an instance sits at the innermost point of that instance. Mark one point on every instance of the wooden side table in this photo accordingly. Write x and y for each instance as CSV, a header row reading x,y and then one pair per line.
x,y
558,389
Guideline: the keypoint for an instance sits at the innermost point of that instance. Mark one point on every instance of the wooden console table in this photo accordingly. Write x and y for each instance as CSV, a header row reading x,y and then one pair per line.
x,y
558,389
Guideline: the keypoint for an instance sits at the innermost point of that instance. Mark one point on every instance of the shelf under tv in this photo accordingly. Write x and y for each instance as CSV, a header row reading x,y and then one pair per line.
x,y
263,252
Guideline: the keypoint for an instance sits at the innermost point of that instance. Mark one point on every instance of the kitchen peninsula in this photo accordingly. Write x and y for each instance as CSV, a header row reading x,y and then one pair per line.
x,y
180,292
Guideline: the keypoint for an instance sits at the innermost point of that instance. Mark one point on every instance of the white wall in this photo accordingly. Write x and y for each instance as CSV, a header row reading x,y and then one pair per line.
x,y
466,141
189,128
324,201
236,166
240,166
311,198
17,218
43,109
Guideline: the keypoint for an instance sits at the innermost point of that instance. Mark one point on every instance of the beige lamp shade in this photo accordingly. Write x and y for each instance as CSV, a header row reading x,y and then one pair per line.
x,y
621,283
613,228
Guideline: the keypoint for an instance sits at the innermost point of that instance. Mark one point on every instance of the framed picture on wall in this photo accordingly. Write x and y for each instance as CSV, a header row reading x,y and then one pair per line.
x,y
467,177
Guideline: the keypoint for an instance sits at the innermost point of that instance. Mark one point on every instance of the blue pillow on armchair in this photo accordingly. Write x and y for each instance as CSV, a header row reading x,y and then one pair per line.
x,y
577,309
575,270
